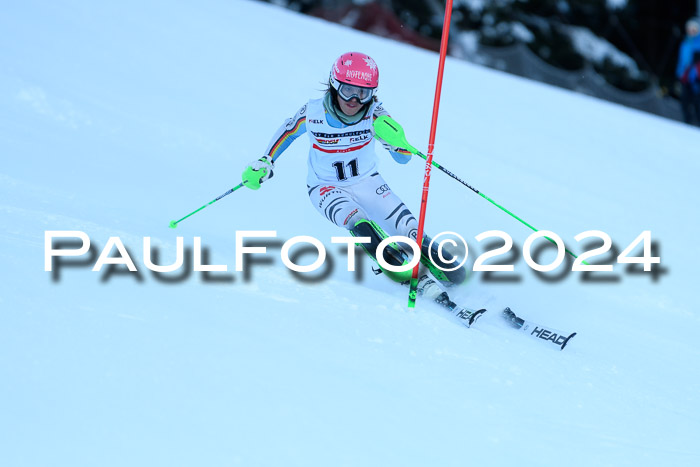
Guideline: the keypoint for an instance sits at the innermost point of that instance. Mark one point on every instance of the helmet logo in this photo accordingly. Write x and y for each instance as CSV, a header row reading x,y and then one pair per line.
x,y
370,63
361,75
347,62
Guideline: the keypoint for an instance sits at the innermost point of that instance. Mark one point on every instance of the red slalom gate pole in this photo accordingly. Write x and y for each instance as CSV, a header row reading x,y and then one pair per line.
x,y
431,143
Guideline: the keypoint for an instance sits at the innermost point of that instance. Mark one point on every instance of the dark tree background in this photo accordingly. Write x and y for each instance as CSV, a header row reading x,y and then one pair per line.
x,y
648,31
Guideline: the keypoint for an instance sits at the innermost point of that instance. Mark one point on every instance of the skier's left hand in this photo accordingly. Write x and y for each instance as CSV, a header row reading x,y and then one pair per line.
x,y
389,147
400,155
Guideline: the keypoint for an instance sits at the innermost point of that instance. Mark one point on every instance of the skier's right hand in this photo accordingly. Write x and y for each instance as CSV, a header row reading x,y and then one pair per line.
x,y
257,172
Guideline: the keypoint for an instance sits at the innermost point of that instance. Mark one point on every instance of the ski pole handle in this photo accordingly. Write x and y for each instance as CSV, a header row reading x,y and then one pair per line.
x,y
173,224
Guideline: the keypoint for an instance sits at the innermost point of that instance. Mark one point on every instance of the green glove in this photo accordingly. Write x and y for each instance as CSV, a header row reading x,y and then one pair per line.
x,y
257,172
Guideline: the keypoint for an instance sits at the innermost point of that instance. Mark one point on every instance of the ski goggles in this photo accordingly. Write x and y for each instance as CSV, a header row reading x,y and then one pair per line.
x,y
348,91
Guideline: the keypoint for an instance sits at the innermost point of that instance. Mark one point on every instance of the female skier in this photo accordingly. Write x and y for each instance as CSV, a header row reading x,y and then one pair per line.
x,y
343,182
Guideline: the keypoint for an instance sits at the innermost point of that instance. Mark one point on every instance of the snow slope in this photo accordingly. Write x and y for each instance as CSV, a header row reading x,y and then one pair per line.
x,y
120,116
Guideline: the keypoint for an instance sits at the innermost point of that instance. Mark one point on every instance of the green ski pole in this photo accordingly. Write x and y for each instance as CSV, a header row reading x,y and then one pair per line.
x,y
390,131
173,224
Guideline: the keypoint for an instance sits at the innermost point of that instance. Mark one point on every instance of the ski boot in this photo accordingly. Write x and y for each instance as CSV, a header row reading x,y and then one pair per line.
x,y
428,288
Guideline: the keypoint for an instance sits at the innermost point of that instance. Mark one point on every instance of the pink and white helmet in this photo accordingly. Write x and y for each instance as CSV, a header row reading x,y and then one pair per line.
x,y
356,69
